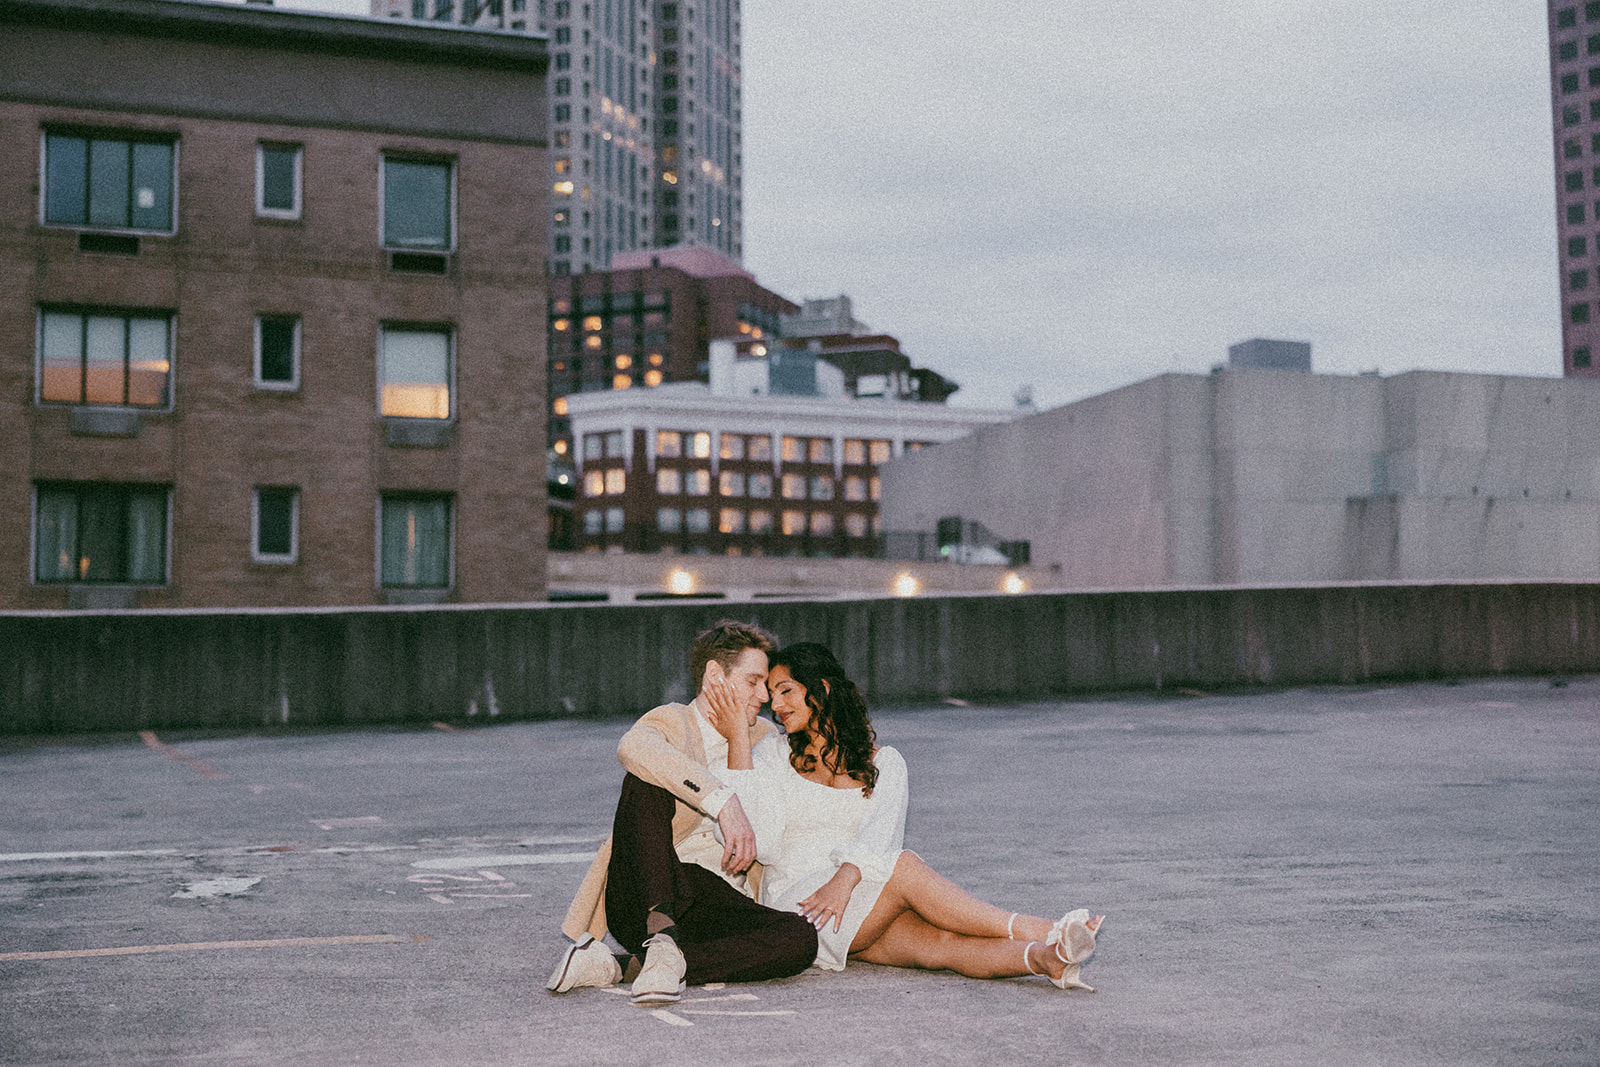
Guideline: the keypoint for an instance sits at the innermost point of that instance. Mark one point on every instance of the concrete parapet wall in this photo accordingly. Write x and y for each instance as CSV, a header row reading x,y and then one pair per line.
x,y
77,672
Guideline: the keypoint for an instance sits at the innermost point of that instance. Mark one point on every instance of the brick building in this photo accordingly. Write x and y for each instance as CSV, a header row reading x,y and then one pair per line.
x,y
1575,119
648,321
264,339
762,460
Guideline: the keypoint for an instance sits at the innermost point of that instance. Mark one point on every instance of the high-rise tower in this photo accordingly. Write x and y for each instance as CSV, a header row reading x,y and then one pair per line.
x,y
1575,107
644,119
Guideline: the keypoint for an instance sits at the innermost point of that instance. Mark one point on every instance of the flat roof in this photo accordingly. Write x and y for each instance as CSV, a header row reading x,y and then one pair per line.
x,y
265,26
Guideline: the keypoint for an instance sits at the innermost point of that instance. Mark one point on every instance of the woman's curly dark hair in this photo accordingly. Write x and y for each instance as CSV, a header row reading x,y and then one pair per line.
x,y
838,715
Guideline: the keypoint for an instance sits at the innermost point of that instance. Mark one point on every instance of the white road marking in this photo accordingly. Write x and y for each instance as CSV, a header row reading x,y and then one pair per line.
x,y
203,946
342,824
456,863
216,887
725,1011
667,1017
585,839
730,996
33,857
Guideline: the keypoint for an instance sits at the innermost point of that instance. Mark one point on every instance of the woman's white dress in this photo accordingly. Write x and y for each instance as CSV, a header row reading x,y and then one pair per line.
x,y
805,830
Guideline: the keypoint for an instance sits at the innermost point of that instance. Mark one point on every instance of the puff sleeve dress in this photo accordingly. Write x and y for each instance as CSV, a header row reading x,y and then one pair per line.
x,y
806,830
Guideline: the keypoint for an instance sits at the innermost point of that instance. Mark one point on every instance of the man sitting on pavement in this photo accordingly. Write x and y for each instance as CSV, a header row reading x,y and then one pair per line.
x,y
665,886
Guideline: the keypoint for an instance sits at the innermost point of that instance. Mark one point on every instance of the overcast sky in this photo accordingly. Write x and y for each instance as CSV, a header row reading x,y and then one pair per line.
x,y
1076,195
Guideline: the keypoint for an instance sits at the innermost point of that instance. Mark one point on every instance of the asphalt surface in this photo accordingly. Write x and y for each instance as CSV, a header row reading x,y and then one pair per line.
x,y
1402,875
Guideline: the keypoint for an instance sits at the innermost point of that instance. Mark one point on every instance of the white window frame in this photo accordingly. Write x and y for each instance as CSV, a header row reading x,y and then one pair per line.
x,y
33,550
126,312
261,180
258,556
449,330
455,222
377,543
293,384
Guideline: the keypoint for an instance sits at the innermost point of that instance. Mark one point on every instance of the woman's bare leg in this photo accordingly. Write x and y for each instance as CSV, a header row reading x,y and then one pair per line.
x,y
912,941
916,887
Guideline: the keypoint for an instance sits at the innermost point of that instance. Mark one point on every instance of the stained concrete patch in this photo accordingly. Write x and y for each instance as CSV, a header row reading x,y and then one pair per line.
x,y
216,887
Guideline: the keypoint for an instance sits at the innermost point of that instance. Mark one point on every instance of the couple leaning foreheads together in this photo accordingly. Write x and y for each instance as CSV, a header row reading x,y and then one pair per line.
x,y
742,853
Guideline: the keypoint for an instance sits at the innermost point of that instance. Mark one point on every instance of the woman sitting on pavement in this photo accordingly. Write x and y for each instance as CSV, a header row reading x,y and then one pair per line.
x,y
829,806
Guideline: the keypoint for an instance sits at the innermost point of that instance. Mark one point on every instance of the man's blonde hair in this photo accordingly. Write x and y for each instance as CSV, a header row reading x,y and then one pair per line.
x,y
724,642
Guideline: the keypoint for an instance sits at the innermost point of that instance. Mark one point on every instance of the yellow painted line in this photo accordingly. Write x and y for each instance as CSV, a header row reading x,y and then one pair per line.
x,y
207,946
149,737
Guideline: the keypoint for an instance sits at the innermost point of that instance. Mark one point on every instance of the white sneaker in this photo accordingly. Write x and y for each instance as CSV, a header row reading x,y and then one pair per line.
x,y
661,979
589,963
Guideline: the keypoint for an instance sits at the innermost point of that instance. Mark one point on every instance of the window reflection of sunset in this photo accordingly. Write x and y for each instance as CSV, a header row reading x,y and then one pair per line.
x,y
416,401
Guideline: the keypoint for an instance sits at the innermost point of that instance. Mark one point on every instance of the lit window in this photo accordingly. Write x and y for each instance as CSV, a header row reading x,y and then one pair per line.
x,y
760,522
669,443
277,362
622,381
822,523
562,188
415,546
652,378
623,362
760,486
855,452
592,341
655,357
731,446
731,521
700,446
732,483
855,488
561,448
90,532
794,523
697,483
669,520
122,183
560,406
794,487
821,450
616,481
697,520
414,373
822,489
594,483
417,205
105,358
794,449
855,525
560,325
592,323
669,481
874,488
278,180
275,525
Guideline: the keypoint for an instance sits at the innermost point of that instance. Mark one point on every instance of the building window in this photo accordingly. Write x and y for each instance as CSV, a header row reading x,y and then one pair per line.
x,y
874,488
794,523
1580,313
112,181
760,522
616,481
275,525
794,448
731,446
697,521
759,448
418,204
1594,44
278,180
855,525
563,243
855,452
594,521
594,483
855,488
697,482
1594,77
563,112
669,520
822,523
1567,16
794,487
564,59
415,548
1574,180
414,372
669,481
614,520
277,358
699,445
1594,111
1577,246
1578,279
93,532
821,450
1591,11
1575,213
121,359
669,443
731,521
760,486
732,483
822,489
563,87
1571,116
1571,149
1580,356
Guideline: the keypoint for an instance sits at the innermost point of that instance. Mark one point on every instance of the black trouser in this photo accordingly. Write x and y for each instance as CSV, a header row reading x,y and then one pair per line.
x,y
725,936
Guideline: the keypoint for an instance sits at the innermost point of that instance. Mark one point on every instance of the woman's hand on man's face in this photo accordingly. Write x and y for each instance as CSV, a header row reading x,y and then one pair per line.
x,y
724,708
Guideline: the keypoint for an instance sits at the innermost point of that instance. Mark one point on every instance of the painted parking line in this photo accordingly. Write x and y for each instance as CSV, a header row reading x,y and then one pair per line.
x,y
667,1017
149,737
457,863
46,857
209,946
